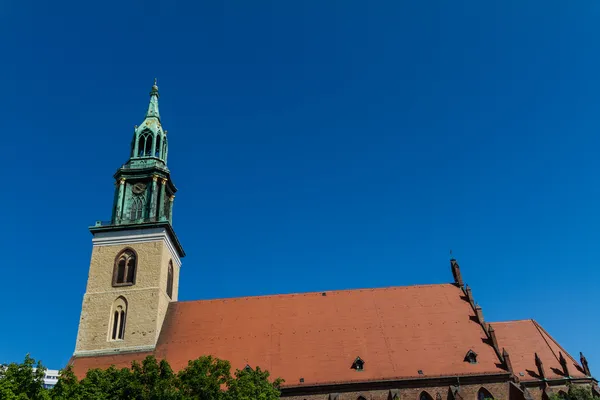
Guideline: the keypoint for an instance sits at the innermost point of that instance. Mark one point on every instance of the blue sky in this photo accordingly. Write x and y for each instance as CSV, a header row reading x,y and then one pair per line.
x,y
316,145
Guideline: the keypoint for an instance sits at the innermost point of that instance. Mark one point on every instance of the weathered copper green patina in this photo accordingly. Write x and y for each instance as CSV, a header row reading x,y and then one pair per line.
x,y
144,191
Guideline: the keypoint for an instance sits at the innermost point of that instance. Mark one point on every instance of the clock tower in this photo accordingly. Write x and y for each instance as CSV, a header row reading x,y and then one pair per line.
x,y
136,256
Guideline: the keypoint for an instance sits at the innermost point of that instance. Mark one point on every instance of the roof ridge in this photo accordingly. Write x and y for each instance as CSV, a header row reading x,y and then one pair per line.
x,y
513,320
544,332
538,327
381,288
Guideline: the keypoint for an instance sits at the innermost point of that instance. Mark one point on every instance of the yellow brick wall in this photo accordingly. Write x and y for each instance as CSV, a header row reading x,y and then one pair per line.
x,y
149,271
166,257
147,299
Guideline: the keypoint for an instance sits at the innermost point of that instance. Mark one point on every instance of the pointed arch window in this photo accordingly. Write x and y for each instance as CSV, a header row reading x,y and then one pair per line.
x,y
125,268
484,394
145,144
170,280
118,319
425,396
142,144
157,148
148,151
137,208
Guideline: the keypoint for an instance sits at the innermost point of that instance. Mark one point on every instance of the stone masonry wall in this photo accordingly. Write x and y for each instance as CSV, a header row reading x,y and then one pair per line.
x,y
147,301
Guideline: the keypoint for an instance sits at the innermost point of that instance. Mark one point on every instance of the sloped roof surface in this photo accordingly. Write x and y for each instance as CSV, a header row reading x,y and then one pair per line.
x,y
397,331
522,339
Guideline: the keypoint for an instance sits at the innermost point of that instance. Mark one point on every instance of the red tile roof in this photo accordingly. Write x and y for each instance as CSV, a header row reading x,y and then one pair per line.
x,y
397,331
522,339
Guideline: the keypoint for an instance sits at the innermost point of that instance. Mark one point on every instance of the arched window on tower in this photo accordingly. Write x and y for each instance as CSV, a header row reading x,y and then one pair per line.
x,y
170,280
484,394
141,144
137,208
148,151
145,144
118,319
125,268
164,148
157,149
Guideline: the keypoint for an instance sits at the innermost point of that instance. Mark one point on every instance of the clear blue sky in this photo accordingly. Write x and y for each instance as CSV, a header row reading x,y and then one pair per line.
x,y
316,145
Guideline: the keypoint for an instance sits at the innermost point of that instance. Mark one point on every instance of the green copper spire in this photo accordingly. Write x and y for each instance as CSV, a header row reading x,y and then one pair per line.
x,y
153,106
145,191
149,139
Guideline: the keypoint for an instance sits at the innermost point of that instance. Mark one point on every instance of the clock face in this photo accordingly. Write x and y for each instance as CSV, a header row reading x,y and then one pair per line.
x,y
139,188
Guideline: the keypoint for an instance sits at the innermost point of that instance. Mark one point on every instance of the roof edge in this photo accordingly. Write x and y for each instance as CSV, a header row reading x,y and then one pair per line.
x,y
318,292
555,342
405,380
512,320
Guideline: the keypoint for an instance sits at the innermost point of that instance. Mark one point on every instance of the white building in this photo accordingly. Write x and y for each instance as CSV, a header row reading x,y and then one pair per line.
x,y
51,378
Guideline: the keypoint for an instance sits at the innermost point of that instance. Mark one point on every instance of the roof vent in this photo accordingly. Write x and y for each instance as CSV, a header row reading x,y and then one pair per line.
x,y
323,294
420,372
358,364
471,357
301,380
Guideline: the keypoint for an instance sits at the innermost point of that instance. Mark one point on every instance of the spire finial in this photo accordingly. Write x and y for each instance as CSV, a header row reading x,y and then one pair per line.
x,y
153,106
154,90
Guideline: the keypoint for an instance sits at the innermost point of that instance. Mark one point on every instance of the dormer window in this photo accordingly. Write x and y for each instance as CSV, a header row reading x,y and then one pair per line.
x,y
471,357
358,364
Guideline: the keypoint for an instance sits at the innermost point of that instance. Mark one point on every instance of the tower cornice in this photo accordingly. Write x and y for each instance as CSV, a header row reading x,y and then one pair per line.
x,y
108,226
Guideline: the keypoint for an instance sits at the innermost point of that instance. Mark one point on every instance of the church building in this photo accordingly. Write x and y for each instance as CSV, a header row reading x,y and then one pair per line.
x,y
407,343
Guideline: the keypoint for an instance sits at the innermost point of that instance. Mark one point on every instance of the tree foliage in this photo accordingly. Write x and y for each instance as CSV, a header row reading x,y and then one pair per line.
x,y
205,378
23,381
575,392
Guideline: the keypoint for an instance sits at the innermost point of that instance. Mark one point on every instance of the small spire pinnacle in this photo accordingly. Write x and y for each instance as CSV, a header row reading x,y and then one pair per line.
x,y
153,106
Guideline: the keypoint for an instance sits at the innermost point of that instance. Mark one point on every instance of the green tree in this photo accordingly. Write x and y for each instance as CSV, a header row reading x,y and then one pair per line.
x,y
576,392
153,380
67,387
206,378
253,384
23,381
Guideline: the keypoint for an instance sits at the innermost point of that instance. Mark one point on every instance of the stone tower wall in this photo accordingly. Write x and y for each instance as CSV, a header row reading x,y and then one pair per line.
x,y
147,299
